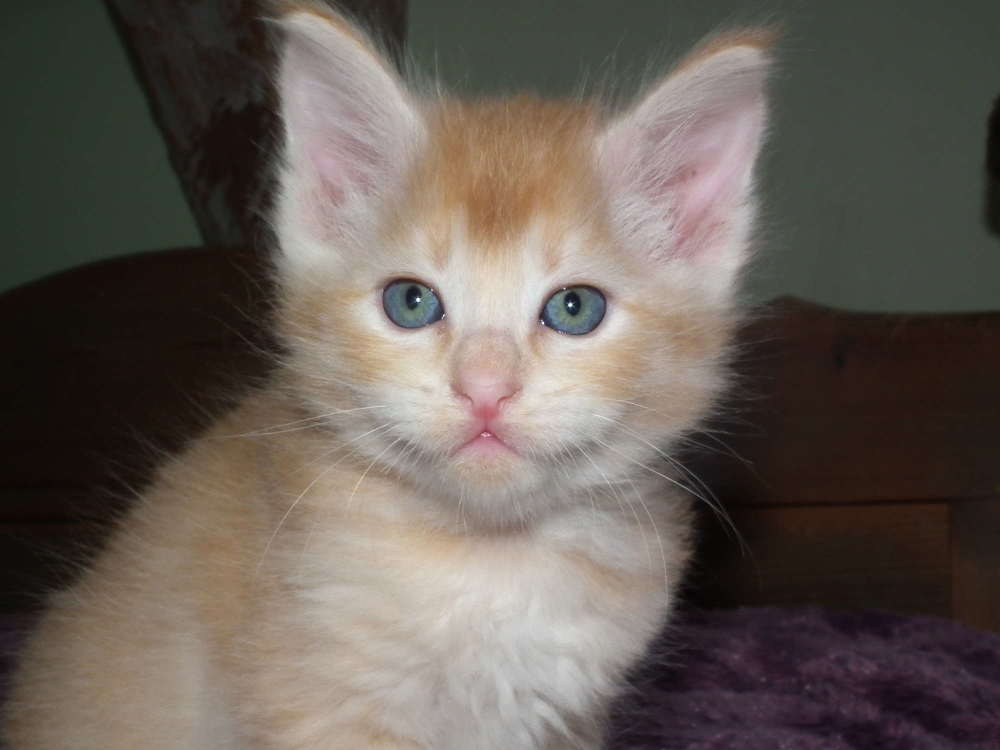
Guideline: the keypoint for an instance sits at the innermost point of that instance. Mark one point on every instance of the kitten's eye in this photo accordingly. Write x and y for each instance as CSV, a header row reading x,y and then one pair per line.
x,y
575,310
411,304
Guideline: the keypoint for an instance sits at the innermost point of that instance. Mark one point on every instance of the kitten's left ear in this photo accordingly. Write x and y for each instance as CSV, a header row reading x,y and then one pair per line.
x,y
351,127
679,164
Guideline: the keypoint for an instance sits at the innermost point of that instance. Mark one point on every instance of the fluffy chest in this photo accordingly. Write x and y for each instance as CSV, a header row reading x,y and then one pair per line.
x,y
484,644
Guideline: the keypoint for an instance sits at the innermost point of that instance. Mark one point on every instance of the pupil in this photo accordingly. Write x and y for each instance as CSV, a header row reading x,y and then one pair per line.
x,y
572,303
413,297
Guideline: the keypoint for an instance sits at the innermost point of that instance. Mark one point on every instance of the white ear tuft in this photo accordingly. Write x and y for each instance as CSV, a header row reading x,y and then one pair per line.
x,y
350,130
679,164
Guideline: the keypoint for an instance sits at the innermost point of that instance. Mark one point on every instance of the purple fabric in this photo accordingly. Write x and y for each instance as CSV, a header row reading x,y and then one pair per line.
x,y
800,679
804,679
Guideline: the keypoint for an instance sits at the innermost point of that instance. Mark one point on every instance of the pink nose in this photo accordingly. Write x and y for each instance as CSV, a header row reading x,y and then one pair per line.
x,y
485,389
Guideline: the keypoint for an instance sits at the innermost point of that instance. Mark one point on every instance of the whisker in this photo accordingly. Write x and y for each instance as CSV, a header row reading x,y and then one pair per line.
x,y
707,496
350,498
288,512
726,449
351,386
305,423
385,426
714,506
365,472
620,497
629,403
461,509
659,539
666,456
312,484
564,450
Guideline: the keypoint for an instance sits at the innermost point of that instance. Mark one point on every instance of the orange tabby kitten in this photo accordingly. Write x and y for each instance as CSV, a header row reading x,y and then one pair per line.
x,y
443,524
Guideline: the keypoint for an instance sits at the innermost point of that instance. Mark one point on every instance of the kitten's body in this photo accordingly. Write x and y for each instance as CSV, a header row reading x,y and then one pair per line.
x,y
356,626
452,536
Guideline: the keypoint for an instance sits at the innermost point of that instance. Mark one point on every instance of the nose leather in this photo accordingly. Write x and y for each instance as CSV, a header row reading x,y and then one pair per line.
x,y
486,371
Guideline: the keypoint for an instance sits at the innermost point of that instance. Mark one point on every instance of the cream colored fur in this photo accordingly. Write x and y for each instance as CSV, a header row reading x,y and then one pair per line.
x,y
327,567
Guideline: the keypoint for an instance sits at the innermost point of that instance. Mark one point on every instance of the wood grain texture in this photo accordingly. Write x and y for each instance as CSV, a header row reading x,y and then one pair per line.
x,y
868,447
893,557
838,407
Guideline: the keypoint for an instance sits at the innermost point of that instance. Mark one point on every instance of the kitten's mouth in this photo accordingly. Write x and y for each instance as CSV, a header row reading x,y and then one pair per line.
x,y
485,443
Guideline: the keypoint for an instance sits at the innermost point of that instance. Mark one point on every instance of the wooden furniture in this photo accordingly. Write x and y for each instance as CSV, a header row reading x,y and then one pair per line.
x,y
108,366
867,473
869,469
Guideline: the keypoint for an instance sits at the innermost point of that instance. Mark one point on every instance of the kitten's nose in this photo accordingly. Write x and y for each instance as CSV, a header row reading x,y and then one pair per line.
x,y
485,388
486,371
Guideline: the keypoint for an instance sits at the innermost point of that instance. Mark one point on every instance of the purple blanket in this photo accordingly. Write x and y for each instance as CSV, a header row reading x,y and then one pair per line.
x,y
804,679
801,679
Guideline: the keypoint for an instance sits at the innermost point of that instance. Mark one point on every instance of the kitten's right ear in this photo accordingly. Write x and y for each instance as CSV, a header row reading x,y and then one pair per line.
x,y
350,129
680,162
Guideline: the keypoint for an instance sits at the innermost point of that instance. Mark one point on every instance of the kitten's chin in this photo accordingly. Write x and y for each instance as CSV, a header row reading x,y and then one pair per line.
x,y
491,484
488,464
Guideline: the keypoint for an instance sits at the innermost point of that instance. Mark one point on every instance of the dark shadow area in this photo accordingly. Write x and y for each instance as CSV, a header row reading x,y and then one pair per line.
x,y
992,207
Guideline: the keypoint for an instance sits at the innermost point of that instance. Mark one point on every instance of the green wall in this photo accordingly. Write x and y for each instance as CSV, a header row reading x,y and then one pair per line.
x,y
873,180
86,175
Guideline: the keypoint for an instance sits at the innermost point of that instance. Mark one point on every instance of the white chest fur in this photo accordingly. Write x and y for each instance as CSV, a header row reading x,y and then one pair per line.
x,y
469,644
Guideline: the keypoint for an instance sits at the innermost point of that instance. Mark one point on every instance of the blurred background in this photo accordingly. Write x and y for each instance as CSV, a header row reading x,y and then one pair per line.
x,y
875,181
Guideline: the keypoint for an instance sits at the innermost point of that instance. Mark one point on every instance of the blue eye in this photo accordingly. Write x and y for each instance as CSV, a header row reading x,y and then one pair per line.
x,y
410,304
575,310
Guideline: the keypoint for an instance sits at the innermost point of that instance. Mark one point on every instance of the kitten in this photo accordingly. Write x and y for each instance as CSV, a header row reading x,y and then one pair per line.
x,y
444,523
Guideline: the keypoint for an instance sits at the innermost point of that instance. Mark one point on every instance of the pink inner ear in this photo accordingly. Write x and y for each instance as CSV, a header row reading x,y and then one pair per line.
x,y
332,173
711,176
337,128
344,165
349,125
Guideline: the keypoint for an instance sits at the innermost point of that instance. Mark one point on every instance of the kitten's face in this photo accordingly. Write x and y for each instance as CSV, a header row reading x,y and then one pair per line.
x,y
499,241
509,304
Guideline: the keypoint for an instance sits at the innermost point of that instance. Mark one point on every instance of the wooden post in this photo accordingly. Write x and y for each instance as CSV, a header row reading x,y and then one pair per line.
x,y
975,555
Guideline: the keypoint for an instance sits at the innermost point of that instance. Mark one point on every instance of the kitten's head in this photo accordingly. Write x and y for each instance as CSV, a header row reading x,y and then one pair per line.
x,y
510,302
